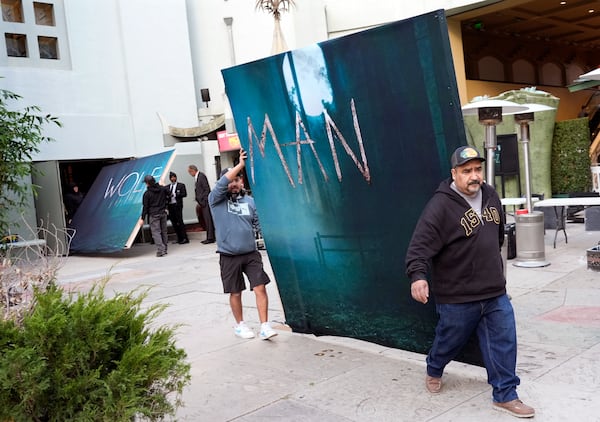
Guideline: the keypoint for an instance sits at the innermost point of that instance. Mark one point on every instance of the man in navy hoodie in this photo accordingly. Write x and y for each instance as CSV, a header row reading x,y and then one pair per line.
x,y
154,206
457,243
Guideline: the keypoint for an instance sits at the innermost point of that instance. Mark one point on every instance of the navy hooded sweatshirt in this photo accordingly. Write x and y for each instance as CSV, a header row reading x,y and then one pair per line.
x,y
155,200
459,250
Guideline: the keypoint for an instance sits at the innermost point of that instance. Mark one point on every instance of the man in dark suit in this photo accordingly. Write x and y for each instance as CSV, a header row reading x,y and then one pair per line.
x,y
202,189
178,192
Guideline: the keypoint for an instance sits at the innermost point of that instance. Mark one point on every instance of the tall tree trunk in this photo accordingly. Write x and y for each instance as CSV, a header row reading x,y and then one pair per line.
x,y
279,44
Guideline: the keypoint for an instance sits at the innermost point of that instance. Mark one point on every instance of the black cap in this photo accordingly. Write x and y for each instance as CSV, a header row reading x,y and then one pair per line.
x,y
464,154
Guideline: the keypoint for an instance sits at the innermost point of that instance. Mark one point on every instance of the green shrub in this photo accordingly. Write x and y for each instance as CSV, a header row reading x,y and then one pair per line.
x,y
570,157
89,358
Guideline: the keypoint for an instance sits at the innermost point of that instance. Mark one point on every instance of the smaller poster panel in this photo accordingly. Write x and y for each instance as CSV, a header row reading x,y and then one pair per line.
x,y
107,220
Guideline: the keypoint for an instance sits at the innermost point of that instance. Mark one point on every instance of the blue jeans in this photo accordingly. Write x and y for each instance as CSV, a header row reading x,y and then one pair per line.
x,y
494,322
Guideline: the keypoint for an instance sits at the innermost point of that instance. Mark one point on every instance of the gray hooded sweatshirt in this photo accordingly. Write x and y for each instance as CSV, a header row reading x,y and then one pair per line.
x,y
235,220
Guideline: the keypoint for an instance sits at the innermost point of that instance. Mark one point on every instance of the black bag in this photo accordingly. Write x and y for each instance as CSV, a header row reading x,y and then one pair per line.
x,y
510,231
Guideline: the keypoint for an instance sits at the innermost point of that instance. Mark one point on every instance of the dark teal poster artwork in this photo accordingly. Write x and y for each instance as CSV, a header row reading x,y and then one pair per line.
x,y
347,140
107,220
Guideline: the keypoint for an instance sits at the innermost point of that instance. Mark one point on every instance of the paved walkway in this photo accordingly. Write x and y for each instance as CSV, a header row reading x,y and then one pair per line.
x,y
298,377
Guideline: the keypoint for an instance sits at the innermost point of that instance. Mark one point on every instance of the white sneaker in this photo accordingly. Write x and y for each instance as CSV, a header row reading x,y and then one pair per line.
x,y
266,331
242,330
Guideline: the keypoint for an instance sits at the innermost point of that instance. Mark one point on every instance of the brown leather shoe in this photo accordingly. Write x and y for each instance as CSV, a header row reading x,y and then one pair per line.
x,y
433,385
516,408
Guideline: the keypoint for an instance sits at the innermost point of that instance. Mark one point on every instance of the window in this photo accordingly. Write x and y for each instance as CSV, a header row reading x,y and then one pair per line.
x,y
573,72
16,45
491,69
12,11
551,75
48,47
35,34
44,13
523,72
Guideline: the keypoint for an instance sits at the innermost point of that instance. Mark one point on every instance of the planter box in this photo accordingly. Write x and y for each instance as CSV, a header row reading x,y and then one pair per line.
x,y
592,219
593,258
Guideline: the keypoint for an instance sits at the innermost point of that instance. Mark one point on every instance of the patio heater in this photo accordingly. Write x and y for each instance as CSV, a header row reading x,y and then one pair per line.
x,y
523,119
490,114
529,226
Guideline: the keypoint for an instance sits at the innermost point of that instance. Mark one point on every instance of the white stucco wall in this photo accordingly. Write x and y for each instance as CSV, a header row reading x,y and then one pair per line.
x,y
159,68
129,60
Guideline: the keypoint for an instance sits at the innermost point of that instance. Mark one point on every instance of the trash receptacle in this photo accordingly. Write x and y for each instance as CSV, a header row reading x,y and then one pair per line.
x,y
530,240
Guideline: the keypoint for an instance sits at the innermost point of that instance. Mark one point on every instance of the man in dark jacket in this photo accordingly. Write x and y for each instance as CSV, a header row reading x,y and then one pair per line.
x,y
457,241
202,189
155,208
73,199
178,192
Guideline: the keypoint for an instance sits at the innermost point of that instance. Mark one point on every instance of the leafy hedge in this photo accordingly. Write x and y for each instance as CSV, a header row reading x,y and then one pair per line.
x,y
570,157
88,358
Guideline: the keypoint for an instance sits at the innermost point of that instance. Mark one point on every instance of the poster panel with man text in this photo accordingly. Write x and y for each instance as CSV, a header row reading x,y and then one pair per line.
x,y
347,140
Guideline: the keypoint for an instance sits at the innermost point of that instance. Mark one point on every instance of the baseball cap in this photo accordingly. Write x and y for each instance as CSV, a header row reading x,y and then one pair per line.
x,y
226,170
463,154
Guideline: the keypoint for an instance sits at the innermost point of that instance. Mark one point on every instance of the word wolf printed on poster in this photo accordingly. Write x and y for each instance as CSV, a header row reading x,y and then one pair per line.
x,y
107,220
347,140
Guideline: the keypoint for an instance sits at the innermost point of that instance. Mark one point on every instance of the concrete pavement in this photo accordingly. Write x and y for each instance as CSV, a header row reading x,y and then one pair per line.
x,y
299,377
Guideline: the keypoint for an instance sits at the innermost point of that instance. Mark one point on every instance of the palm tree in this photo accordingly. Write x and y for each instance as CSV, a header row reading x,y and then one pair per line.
x,y
276,7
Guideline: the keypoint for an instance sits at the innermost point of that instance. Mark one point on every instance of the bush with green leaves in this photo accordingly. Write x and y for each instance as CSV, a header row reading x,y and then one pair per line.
x,y
570,157
86,357
21,133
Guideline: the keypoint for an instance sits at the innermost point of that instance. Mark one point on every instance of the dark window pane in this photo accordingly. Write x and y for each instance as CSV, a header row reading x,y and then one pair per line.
x,y
16,45
44,14
12,11
48,47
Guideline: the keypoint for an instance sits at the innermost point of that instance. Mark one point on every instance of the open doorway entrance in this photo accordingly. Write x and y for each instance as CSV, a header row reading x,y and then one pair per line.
x,y
52,179
82,172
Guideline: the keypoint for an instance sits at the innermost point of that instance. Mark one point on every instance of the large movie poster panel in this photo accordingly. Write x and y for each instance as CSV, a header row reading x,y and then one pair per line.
x,y
347,140
107,220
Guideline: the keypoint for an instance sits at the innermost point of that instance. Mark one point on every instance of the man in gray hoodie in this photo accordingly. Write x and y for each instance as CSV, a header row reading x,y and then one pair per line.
x,y
236,222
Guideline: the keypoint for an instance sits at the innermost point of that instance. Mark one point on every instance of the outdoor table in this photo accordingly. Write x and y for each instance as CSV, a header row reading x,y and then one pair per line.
x,y
513,202
560,205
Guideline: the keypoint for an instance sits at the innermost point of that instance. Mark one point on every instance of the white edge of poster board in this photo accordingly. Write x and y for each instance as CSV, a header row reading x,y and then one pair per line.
x,y
140,223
